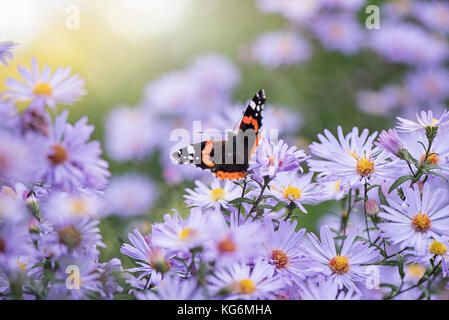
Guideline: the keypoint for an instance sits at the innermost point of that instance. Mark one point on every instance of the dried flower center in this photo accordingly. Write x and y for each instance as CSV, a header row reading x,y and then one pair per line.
x,y
59,154
43,89
186,234
279,258
217,194
421,222
2,245
437,248
431,159
158,262
70,237
226,245
339,264
365,166
291,193
245,286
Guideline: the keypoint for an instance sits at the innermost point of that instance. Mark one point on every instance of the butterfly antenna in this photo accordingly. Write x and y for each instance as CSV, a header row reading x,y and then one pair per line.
x,y
239,120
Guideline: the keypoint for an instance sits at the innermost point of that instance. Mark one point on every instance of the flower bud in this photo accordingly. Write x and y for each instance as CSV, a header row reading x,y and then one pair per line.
x,y
33,206
390,141
372,208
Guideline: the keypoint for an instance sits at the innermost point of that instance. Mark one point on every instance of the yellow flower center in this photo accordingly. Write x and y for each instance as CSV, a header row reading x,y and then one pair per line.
x,y
217,194
421,222
431,159
22,265
337,186
186,234
280,259
416,270
339,264
365,166
245,286
226,245
291,193
43,89
59,154
70,237
437,248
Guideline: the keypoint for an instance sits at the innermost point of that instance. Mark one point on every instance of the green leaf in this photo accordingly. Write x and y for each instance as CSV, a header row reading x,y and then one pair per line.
x,y
400,265
382,198
438,174
400,181
240,200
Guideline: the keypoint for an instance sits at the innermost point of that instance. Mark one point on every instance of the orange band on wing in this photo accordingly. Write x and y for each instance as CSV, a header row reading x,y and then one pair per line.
x,y
230,175
206,154
251,120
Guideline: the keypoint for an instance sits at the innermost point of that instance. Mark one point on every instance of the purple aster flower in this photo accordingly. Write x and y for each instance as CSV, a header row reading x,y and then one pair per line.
x,y
66,234
290,187
291,9
343,4
109,273
128,135
345,267
275,49
242,281
272,158
428,86
433,14
325,289
285,253
425,121
338,32
72,160
176,233
13,274
352,158
407,43
419,218
384,101
238,241
174,288
79,205
435,252
59,88
5,51
152,261
218,195
130,195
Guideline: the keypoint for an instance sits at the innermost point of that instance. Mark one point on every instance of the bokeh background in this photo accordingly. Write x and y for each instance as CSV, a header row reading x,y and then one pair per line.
x,y
122,46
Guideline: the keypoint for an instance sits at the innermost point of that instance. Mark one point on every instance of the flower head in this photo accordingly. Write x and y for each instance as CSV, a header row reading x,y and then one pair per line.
x,y
218,195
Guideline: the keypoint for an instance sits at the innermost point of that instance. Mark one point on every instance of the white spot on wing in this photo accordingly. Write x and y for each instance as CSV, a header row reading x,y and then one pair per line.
x,y
252,104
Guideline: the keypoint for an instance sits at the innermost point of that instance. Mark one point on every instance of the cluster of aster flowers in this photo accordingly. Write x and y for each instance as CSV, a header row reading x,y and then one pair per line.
x,y
51,181
411,34
386,237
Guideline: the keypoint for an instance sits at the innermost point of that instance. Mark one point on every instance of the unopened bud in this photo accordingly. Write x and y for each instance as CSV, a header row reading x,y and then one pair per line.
x,y
33,205
372,208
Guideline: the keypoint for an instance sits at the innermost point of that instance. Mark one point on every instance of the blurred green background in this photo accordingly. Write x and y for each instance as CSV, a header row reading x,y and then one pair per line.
x,y
123,45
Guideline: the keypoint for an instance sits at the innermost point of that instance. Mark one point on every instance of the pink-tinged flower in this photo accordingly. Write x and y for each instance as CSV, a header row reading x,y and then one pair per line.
x,y
280,48
284,251
384,101
433,14
6,51
233,242
72,160
271,158
289,187
325,289
338,32
346,266
243,281
420,217
352,159
218,195
59,88
407,43
177,234
130,134
428,86
174,288
291,9
426,120
130,195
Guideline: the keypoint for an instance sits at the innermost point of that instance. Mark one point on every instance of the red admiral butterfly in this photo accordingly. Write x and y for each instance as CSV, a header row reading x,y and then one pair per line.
x,y
228,159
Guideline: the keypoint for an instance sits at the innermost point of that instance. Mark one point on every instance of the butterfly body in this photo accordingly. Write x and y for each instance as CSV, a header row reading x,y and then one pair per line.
x,y
228,159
